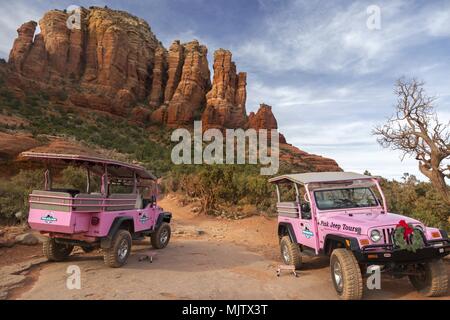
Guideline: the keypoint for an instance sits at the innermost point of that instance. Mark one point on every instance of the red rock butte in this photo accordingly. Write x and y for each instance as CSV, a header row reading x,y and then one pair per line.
x,y
114,63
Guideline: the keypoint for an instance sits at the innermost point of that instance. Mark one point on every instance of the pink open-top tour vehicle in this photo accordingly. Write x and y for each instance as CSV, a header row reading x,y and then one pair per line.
x,y
104,219
344,215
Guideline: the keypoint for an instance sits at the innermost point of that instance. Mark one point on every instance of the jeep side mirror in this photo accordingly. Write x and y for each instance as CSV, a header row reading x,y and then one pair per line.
x,y
305,207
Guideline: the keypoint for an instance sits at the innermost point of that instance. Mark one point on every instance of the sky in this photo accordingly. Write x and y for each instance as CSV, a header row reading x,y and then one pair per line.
x,y
327,68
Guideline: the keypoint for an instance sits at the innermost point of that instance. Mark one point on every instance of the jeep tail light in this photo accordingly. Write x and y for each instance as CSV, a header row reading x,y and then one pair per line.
x,y
95,221
435,234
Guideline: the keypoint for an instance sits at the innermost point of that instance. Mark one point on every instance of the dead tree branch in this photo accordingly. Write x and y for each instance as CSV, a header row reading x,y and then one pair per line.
x,y
415,130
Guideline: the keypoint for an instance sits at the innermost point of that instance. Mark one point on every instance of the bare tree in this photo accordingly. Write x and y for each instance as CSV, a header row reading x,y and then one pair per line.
x,y
415,130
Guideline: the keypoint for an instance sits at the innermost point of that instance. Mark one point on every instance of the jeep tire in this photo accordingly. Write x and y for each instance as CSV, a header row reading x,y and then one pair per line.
x,y
56,251
346,275
160,238
433,281
290,252
117,254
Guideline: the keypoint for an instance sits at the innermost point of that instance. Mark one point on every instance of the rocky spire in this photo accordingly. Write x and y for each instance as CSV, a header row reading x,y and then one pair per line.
x,y
225,106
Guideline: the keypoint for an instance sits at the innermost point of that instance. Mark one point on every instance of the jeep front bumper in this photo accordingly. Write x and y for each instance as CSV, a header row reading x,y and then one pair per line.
x,y
386,253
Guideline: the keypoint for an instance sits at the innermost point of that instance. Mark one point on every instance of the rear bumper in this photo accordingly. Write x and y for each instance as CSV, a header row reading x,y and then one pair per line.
x,y
59,221
384,254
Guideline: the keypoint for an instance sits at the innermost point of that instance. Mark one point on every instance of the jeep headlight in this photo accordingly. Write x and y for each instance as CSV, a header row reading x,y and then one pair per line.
x,y
375,235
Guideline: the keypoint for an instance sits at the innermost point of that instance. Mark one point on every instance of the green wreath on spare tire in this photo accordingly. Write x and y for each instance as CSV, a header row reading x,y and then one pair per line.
x,y
413,243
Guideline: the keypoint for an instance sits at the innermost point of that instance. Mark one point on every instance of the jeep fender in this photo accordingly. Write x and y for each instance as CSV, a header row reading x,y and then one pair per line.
x,y
284,227
163,217
105,242
349,243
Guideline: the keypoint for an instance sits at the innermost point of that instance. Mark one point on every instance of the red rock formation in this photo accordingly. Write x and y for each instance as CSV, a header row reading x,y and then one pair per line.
x,y
22,44
225,107
159,78
114,57
39,68
306,161
140,115
175,67
159,116
114,63
189,97
282,138
56,38
263,119
12,144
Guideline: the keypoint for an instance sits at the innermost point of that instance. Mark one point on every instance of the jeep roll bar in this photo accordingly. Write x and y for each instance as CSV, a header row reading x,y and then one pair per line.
x,y
109,170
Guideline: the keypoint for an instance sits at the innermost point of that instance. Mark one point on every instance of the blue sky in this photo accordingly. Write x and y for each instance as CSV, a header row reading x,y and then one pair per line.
x,y
328,76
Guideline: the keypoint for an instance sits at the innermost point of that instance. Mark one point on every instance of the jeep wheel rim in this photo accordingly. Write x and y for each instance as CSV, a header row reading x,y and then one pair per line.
x,y
285,253
337,273
164,236
123,249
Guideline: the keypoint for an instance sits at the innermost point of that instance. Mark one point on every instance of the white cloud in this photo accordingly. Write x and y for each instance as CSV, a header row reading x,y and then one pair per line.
x,y
326,96
334,39
438,24
330,79
336,121
12,16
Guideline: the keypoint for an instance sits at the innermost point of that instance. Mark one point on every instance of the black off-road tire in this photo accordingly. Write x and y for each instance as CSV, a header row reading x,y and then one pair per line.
x,y
434,282
160,238
290,252
114,256
56,251
351,285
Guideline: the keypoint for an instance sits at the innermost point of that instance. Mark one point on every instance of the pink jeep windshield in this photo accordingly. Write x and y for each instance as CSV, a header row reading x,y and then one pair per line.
x,y
345,198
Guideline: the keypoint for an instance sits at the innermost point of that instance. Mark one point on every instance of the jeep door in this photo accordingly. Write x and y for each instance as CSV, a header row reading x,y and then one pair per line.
x,y
307,234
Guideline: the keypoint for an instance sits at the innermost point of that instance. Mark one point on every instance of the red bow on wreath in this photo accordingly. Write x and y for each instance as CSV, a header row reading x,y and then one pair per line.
x,y
407,229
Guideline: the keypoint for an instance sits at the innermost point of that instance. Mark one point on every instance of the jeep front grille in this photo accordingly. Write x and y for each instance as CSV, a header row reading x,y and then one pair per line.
x,y
388,235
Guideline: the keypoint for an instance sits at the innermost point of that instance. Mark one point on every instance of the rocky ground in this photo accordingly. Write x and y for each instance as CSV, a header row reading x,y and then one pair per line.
x,y
207,258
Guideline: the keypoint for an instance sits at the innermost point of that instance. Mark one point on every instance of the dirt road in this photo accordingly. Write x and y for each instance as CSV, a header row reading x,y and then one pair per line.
x,y
206,259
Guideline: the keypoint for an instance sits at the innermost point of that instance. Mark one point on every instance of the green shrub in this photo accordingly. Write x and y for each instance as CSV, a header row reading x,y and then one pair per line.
x,y
75,178
14,194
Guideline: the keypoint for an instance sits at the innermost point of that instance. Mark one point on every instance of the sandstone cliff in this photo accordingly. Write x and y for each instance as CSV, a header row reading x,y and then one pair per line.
x,y
263,118
114,63
189,96
225,107
108,64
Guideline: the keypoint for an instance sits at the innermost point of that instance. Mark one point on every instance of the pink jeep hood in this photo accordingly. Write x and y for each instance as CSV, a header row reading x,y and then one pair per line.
x,y
361,220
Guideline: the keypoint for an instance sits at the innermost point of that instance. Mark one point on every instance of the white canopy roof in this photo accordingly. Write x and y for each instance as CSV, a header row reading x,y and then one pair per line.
x,y
318,177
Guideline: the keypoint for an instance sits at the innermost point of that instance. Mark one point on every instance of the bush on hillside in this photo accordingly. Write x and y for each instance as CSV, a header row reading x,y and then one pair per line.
x,y
14,195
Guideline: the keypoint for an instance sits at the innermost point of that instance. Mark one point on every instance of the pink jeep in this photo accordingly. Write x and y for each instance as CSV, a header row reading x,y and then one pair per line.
x,y
344,215
104,219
